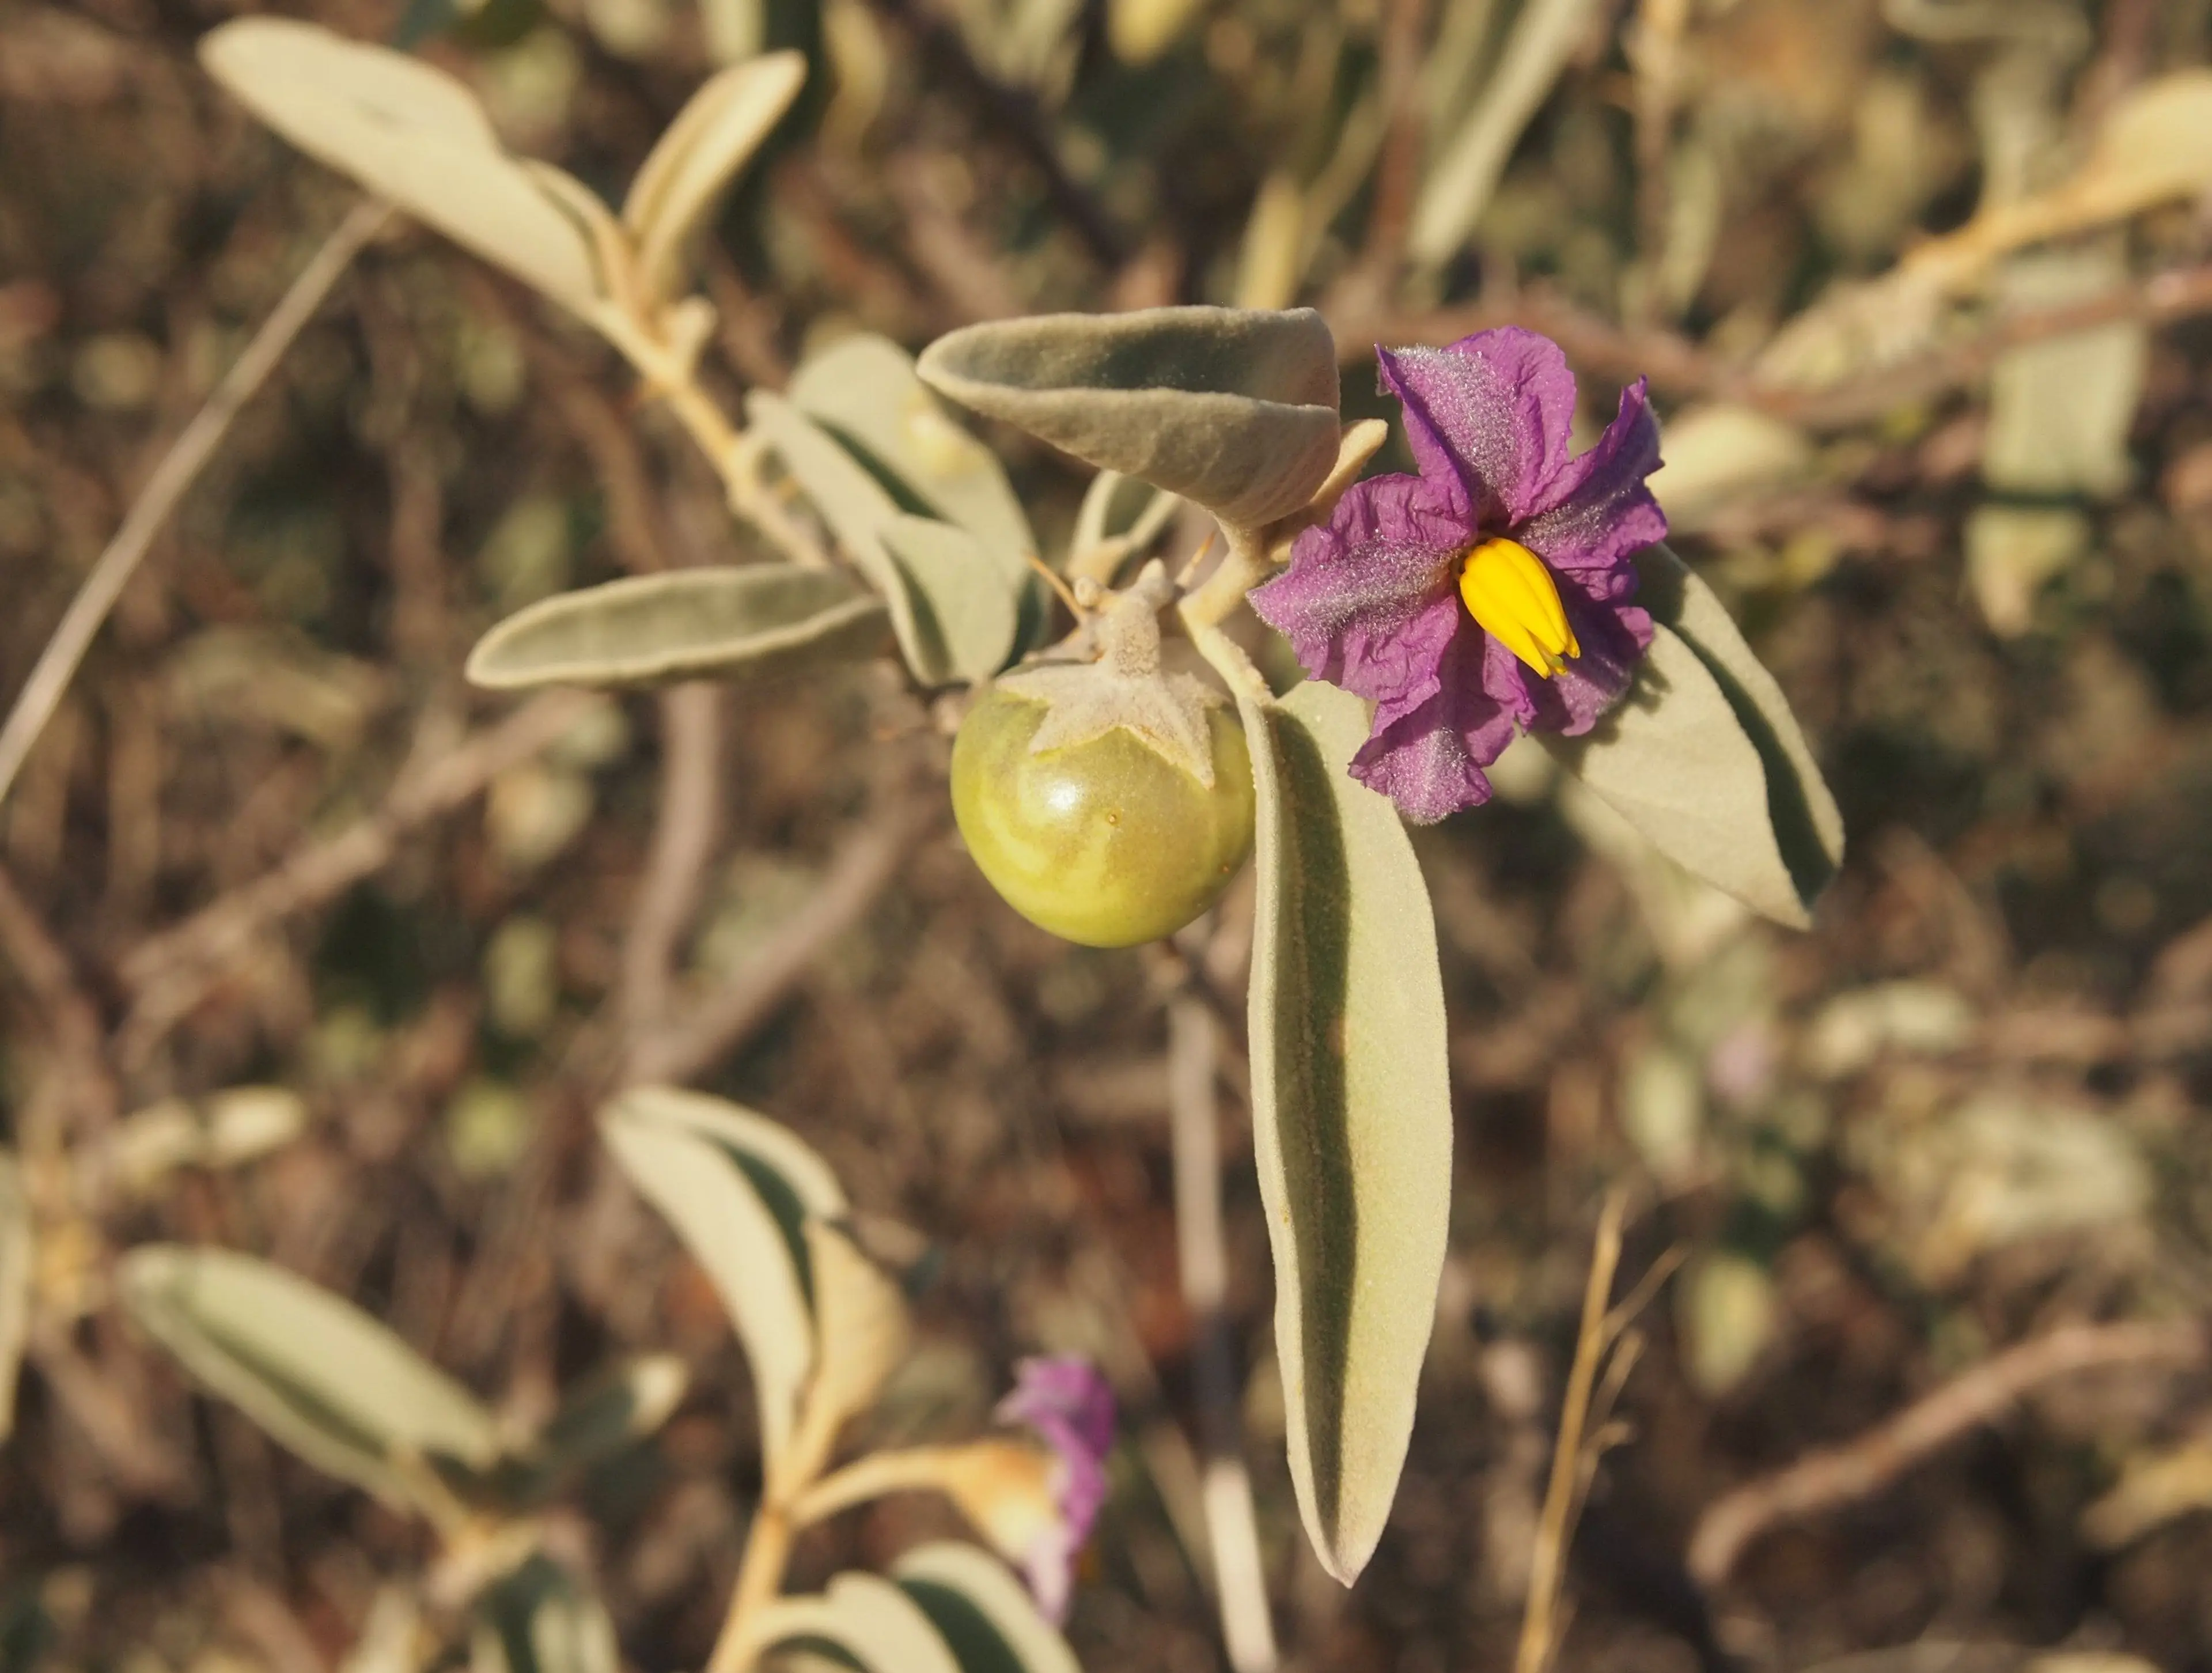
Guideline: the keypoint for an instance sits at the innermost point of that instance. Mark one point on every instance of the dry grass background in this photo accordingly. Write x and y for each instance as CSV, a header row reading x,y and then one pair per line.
x,y
1967,1111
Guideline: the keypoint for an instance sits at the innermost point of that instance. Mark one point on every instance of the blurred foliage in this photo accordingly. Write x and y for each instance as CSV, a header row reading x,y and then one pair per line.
x,y
1924,317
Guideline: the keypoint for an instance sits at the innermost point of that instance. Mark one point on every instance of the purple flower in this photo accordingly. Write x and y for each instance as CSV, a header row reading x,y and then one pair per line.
x,y
1489,592
1067,1405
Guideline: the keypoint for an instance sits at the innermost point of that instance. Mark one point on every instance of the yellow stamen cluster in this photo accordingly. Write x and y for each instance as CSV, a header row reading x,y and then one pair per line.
x,y
1513,598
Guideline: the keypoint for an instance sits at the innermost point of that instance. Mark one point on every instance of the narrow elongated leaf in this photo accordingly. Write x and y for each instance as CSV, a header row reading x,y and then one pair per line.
x,y
738,1188
980,1611
866,1619
541,1620
17,1270
1234,408
721,623
710,142
966,614
1351,1111
1705,759
318,1374
858,511
414,135
863,389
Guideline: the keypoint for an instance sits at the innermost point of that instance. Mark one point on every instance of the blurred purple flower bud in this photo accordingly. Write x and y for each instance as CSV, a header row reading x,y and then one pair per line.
x,y
1066,1404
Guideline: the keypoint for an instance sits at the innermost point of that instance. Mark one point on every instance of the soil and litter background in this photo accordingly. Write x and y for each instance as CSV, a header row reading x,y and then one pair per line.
x,y
307,949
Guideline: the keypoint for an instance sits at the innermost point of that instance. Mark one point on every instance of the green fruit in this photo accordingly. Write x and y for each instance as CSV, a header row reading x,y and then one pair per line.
x,y
1107,842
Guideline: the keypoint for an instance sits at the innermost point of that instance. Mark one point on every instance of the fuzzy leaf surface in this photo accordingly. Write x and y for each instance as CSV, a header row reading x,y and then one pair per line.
x,y
738,1189
1706,759
1234,408
1351,1113
414,135
749,622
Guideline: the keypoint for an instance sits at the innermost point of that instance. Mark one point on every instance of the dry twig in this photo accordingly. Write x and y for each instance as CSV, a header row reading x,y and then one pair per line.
x,y
694,1040
684,837
170,973
1861,1467
179,467
1248,1630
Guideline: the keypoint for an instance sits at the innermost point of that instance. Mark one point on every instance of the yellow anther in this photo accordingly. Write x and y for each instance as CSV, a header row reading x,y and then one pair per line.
x,y
1513,598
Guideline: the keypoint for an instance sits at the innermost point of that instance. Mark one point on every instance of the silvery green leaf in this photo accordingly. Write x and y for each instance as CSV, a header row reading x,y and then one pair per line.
x,y
1233,408
17,1270
738,1189
711,140
858,511
863,390
868,1620
980,1611
541,1620
862,1322
1705,759
413,133
318,1374
965,614
748,622
1351,1111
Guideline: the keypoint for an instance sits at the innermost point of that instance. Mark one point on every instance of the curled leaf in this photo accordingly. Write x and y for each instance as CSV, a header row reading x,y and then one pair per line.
x,y
928,579
1231,408
1351,1113
716,623
862,1321
966,617
981,1612
871,1624
1705,759
711,140
864,391
412,134
738,1190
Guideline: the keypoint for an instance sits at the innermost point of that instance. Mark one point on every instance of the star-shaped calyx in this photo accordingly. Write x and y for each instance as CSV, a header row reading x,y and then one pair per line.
x,y
1125,687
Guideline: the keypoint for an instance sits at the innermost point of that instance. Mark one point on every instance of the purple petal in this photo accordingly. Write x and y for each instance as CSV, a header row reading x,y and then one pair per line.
x,y
1614,640
1494,411
1070,1407
1368,602
1049,1567
1428,757
1064,1394
1597,512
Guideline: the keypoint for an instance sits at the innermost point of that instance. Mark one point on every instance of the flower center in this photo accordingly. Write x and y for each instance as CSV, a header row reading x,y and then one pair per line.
x,y
1513,598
